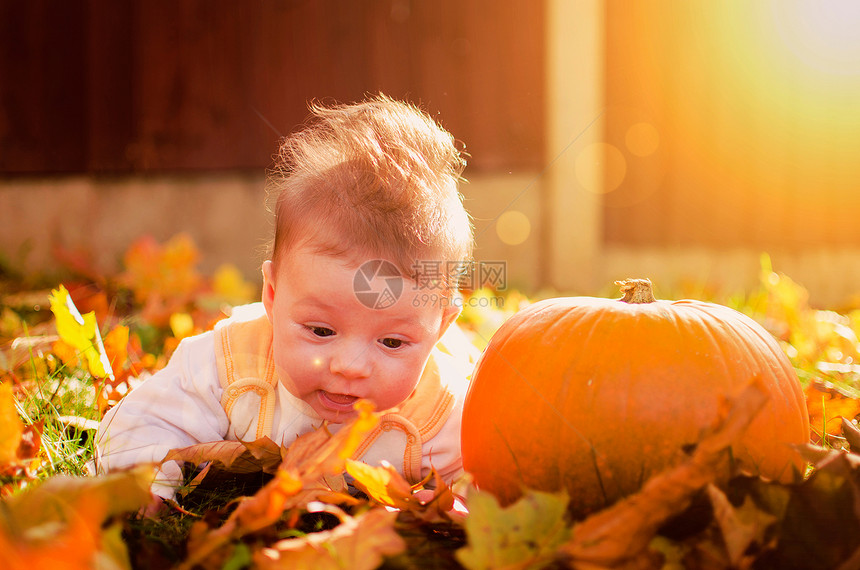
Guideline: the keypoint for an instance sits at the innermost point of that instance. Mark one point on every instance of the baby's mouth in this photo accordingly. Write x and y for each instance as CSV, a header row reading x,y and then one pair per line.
x,y
339,402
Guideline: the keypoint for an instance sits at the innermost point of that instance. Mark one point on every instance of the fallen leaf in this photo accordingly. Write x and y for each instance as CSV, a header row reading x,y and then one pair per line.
x,y
163,278
618,537
20,471
357,543
181,325
305,474
31,442
827,407
822,518
127,491
11,426
320,452
741,527
235,456
230,286
116,348
67,353
72,547
852,435
81,332
526,534
383,484
59,523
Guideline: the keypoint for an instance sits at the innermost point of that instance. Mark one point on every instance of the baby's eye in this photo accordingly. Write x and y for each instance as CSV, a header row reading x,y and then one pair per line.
x,y
321,331
392,342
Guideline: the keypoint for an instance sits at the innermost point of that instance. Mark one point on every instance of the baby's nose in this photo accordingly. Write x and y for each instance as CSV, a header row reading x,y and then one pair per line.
x,y
353,363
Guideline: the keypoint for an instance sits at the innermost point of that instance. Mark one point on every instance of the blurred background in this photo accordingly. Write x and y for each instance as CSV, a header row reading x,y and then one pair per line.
x,y
672,139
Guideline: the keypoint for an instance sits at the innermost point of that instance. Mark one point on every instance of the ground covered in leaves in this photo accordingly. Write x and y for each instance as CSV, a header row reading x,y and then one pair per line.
x,y
72,345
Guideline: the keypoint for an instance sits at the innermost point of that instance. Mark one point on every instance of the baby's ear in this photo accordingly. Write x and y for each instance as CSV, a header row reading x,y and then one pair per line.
x,y
268,287
449,315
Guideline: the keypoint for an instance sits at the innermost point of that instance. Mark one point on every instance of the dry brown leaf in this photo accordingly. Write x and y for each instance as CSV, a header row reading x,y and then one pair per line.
x,y
852,435
618,537
740,526
311,470
821,521
358,543
822,456
252,514
235,456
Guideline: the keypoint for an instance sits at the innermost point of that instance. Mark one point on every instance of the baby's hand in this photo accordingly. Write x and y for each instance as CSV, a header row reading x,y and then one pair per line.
x,y
156,507
458,510
424,496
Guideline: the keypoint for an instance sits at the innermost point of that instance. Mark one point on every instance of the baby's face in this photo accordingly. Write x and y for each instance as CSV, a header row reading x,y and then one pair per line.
x,y
331,349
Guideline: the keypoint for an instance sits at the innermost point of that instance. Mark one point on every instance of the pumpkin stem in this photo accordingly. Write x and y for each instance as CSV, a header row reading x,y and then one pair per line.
x,y
636,291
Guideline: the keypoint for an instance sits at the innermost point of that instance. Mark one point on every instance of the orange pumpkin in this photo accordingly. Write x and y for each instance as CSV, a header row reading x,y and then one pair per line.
x,y
597,395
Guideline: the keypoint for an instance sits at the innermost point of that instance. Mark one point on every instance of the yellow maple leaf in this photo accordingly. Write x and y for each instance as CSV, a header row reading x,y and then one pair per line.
x,y
81,332
383,484
181,325
359,428
11,426
178,258
229,285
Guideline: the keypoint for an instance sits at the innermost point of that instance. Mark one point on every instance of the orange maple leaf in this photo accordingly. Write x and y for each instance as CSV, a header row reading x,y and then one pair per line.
x,y
59,523
163,278
11,426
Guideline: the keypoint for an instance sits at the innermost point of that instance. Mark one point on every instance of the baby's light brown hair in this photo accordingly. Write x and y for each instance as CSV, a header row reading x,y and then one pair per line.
x,y
372,179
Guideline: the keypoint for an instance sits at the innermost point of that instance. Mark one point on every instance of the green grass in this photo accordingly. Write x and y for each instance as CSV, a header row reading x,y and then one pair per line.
x,y
59,401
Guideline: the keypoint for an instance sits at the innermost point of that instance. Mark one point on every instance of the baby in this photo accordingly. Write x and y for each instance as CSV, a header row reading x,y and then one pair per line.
x,y
367,195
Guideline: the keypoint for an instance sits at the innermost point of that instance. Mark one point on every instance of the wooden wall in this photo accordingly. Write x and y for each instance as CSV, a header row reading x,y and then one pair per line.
x,y
154,86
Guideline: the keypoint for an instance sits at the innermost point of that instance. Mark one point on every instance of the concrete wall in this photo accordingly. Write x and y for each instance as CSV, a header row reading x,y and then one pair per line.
x,y
226,217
